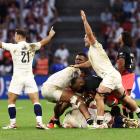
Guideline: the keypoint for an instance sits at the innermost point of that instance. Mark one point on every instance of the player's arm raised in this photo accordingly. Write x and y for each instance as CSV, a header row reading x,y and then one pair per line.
x,y
86,64
46,40
88,29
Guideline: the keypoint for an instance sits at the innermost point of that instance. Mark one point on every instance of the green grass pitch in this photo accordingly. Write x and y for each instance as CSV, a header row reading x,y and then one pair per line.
x,y
27,131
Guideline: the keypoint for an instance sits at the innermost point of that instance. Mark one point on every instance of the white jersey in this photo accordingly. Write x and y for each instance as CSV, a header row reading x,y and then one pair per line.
x,y
62,78
22,55
99,60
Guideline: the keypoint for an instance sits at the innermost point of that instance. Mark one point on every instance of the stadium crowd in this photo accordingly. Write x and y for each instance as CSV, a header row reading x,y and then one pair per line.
x,y
37,17
122,15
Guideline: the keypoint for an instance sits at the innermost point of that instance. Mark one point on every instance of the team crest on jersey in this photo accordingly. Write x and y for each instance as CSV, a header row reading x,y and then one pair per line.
x,y
24,48
32,46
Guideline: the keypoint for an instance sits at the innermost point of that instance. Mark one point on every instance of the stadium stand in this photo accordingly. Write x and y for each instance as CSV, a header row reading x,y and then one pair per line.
x,y
107,18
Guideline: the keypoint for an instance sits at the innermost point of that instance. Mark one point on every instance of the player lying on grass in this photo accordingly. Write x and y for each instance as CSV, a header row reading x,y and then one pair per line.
x,y
113,119
23,78
101,64
56,89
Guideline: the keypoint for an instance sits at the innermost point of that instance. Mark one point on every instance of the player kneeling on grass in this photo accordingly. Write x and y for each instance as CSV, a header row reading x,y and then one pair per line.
x,y
23,78
113,119
55,89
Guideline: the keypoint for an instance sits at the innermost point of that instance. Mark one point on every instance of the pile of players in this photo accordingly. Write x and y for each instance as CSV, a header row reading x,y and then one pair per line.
x,y
76,86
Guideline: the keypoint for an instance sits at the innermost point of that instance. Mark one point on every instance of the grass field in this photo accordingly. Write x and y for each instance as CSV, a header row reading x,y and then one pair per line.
x,y
27,130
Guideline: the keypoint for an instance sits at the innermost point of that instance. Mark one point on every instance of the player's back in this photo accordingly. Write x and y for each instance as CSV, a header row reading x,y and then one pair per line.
x,y
126,53
99,60
62,78
22,55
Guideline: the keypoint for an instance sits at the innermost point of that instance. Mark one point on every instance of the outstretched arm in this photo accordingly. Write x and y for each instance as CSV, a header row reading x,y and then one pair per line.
x,y
88,29
46,40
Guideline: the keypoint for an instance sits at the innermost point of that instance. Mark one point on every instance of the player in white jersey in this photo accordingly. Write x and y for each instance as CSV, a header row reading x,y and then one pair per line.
x,y
101,64
56,89
23,78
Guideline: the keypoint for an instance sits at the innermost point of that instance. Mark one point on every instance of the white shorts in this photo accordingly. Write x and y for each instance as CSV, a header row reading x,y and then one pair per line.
x,y
51,92
112,80
20,83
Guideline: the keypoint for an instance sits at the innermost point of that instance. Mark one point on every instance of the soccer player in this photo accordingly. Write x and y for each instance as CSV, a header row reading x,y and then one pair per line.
x,y
23,78
101,64
126,65
56,89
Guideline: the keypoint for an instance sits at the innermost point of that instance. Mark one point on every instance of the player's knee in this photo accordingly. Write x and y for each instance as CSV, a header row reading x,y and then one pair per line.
x,y
12,98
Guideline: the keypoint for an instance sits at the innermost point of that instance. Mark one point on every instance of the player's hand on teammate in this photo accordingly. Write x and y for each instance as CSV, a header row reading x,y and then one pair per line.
x,y
52,32
83,15
75,66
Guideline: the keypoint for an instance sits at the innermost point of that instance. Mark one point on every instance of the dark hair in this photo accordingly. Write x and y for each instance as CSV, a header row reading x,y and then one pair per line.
x,y
82,54
115,111
127,39
21,32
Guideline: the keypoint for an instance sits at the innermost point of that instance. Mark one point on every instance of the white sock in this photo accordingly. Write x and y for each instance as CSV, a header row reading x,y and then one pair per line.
x,y
13,121
137,110
39,119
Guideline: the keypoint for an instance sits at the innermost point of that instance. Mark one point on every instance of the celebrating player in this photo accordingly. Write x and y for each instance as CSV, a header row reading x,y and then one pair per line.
x,y
23,78
101,64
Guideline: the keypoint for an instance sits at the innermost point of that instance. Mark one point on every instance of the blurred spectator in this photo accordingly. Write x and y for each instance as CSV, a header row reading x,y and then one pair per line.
x,y
63,53
125,17
112,53
41,63
36,16
6,66
106,16
56,65
3,11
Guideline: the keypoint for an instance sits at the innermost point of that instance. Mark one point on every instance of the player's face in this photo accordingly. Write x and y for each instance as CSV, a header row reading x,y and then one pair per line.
x,y
80,59
87,42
